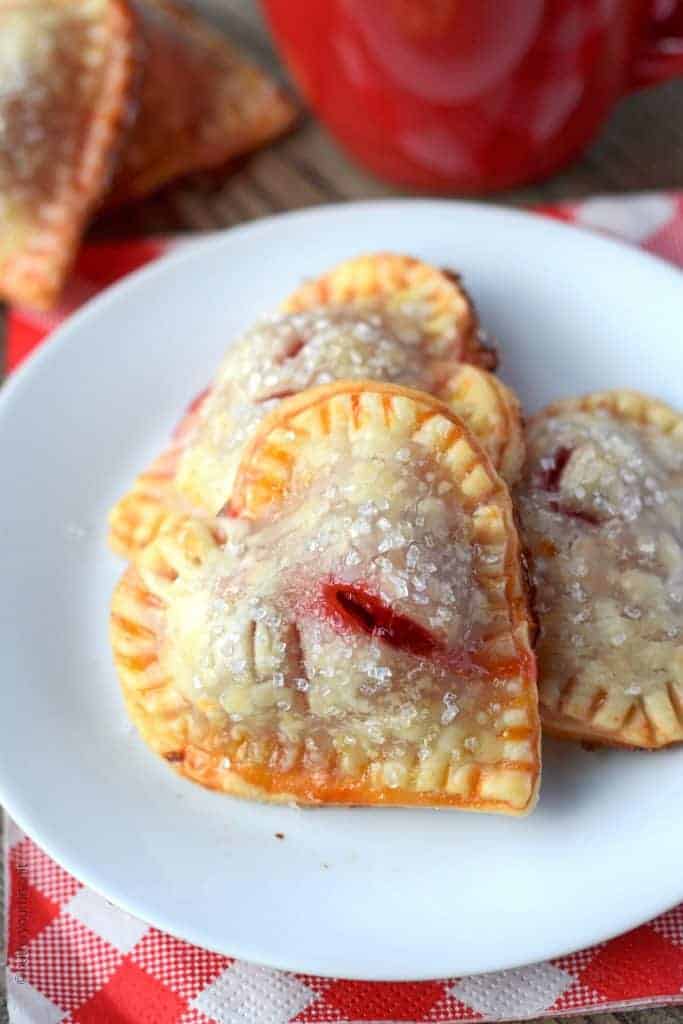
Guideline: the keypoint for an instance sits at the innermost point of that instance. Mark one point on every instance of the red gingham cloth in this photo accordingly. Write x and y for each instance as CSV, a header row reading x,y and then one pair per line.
x,y
74,957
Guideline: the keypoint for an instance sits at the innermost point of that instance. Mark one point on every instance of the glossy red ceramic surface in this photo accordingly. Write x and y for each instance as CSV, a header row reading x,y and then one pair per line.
x,y
471,96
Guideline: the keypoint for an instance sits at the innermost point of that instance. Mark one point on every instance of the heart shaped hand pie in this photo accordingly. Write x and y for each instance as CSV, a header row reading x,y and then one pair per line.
x,y
600,505
389,318
354,629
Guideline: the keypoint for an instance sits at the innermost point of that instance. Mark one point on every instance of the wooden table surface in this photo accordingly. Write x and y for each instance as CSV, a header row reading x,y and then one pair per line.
x,y
640,148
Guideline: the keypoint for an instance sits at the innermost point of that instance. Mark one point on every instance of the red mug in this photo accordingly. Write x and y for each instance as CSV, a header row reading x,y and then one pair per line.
x,y
472,95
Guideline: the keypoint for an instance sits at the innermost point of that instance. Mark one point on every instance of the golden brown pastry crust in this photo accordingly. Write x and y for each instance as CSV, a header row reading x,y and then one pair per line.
x,y
492,412
153,500
197,740
451,324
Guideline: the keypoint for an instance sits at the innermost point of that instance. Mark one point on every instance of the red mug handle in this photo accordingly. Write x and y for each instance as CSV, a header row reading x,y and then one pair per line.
x,y
660,55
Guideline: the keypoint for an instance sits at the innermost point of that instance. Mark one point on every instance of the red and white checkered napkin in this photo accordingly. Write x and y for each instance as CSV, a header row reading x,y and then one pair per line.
x,y
73,957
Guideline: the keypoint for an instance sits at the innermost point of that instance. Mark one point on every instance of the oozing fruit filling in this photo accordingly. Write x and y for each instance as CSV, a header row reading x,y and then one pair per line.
x,y
355,607
601,507
550,478
354,624
282,356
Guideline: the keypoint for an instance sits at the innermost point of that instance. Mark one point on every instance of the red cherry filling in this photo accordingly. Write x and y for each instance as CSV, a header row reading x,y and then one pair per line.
x,y
284,393
198,401
293,350
358,609
355,608
550,476
550,479
575,513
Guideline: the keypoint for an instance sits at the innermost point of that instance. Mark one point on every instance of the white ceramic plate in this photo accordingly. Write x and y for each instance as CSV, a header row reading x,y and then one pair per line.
x,y
358,893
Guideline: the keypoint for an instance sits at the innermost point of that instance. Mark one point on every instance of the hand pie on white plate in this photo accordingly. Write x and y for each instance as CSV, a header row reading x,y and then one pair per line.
x,y
355,630
601,505
398,325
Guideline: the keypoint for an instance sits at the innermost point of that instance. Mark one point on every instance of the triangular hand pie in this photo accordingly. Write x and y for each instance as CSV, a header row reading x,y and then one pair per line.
x,y
67,71
200,103
354,630
600,505
139,88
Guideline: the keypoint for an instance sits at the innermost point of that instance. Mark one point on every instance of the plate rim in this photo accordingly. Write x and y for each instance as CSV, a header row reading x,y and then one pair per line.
x,y
193,245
